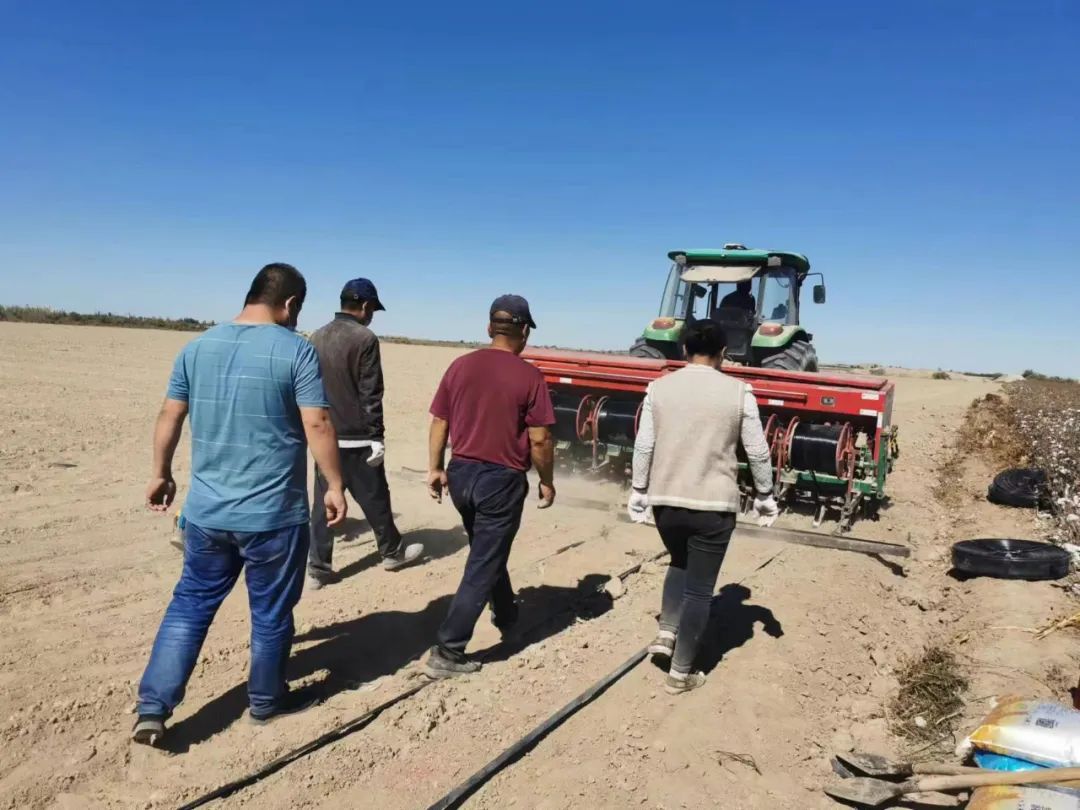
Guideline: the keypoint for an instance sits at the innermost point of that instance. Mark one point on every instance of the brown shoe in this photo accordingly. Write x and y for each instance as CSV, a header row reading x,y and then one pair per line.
x,y
677,683
663,646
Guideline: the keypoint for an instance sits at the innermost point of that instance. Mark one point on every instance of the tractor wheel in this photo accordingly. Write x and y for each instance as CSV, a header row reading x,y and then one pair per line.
x,y
799,356
643,349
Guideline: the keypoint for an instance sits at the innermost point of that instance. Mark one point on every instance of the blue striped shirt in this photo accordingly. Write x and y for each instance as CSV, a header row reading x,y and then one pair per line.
x,y
245,385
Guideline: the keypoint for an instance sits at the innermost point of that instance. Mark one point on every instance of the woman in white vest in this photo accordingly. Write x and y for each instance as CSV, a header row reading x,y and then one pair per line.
x,y
685,468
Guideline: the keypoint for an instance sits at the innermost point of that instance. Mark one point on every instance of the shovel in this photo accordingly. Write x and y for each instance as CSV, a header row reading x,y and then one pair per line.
x,y
870,792
875,765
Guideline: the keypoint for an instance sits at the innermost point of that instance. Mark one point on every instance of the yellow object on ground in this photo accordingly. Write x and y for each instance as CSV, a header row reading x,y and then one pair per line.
x,y
1022,798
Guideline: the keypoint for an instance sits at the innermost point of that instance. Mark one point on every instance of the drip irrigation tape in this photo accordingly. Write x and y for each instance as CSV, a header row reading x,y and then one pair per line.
x,y
467,788
455,797
813,447
344,730
366,719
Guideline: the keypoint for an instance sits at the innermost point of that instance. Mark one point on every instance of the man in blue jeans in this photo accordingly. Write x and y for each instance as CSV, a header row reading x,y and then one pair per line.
x,y
495,410
255,395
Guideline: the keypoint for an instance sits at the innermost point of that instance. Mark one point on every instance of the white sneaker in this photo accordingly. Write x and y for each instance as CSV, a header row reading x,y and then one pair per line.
x,y
405,556
314,583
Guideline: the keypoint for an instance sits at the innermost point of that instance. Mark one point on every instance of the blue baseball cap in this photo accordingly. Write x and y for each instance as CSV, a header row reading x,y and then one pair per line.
x,y
516,307
360,289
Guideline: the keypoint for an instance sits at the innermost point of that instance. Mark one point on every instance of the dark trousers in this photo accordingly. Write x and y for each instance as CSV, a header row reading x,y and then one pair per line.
x,y
490,498
698,542
370,490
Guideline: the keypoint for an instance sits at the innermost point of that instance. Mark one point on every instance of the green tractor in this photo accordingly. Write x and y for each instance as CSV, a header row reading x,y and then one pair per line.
x,y
752,294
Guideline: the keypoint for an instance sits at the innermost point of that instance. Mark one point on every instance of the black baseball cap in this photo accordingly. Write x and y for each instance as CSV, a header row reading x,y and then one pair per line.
x,y
516,307
360,289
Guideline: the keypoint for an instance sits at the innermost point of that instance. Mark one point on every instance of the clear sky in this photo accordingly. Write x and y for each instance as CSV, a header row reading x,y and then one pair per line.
x,y
923,154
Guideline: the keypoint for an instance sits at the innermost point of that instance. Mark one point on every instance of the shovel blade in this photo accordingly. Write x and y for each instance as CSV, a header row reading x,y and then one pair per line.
x,y
865,791
874,764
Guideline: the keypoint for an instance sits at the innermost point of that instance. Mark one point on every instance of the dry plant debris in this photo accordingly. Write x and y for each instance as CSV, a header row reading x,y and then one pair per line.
x,y
930,695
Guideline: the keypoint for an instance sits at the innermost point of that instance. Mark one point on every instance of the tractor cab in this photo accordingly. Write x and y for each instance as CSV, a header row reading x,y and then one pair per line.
x,y
753,294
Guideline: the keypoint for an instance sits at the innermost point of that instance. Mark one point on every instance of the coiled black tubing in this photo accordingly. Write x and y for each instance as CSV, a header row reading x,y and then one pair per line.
x,y
813,447
566,409
616,422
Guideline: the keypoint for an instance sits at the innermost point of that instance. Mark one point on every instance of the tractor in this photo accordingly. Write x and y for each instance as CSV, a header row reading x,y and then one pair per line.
x,y
753,295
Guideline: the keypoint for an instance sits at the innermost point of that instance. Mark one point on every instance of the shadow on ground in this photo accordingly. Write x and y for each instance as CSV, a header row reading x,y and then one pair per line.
x,y
353,528
360,650
547,610
732,622
437,543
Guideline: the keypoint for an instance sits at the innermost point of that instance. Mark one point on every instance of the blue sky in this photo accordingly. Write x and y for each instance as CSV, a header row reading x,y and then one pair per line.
x,y
923,154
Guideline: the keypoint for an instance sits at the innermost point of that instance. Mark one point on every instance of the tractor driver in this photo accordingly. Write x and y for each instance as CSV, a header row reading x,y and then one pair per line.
x,y
740,298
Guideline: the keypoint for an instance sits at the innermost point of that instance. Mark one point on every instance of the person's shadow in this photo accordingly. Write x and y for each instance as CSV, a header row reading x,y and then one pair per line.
x,y
731,624
437,543
546,610
360,650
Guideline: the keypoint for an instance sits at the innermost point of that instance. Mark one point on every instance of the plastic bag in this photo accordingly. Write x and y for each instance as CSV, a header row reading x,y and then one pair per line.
x,y
1000,762
1022,798
1039,731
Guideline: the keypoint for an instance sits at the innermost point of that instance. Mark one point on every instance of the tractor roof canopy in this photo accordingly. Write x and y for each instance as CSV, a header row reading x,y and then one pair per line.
x,y
729,259
720,273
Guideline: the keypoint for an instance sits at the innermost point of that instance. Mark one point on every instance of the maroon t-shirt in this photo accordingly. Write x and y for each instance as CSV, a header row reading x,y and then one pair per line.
x,y
490,398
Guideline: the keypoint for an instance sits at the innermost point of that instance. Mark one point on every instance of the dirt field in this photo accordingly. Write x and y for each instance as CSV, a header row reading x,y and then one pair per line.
x,y
801,660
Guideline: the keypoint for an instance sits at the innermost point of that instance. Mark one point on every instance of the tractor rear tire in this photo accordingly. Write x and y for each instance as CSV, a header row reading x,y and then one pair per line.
x,y
643,349
799,356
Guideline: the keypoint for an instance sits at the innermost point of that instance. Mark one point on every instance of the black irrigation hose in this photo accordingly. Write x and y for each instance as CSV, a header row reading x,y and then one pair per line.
x,y
813,447
362,721
454,798
477,780
467,788
344,730
1018,486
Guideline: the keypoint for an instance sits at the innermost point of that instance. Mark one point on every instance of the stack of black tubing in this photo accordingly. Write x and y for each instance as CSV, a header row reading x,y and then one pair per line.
x,y
813,448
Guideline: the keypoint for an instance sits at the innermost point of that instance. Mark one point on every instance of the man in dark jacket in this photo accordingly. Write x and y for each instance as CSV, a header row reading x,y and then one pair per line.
x,y
352,375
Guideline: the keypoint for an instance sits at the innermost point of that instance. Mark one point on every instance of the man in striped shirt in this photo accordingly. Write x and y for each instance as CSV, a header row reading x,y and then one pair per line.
x,y
254,392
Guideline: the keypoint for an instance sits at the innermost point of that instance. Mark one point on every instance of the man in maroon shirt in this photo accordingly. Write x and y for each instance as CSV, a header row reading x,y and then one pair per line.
x,y
496,411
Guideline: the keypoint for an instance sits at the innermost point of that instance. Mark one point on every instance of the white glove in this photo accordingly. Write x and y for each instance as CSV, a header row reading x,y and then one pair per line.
x,y
378,452
766,510
638,506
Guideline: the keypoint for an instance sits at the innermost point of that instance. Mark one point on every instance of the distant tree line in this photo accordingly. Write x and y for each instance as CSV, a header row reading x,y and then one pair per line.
x,y
59,316
1029,374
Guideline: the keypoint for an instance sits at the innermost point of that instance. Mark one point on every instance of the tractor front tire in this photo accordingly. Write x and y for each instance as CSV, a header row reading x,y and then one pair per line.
x,y
643,349
799,356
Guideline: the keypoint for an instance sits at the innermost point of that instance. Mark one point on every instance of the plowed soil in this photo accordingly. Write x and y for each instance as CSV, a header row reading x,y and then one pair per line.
x,y
801,656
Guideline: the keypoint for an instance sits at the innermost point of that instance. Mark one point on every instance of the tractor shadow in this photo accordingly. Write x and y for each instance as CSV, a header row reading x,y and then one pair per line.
x,y
358,651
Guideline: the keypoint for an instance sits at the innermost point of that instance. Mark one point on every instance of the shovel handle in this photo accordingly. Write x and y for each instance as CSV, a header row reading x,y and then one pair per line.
x,y
1039,777
943,769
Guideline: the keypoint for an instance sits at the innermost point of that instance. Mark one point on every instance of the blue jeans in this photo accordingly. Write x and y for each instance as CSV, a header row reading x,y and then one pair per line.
x,y
273,563
490,498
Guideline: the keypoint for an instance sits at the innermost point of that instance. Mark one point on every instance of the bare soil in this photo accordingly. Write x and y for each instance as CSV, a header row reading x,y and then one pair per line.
x,y
801,658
